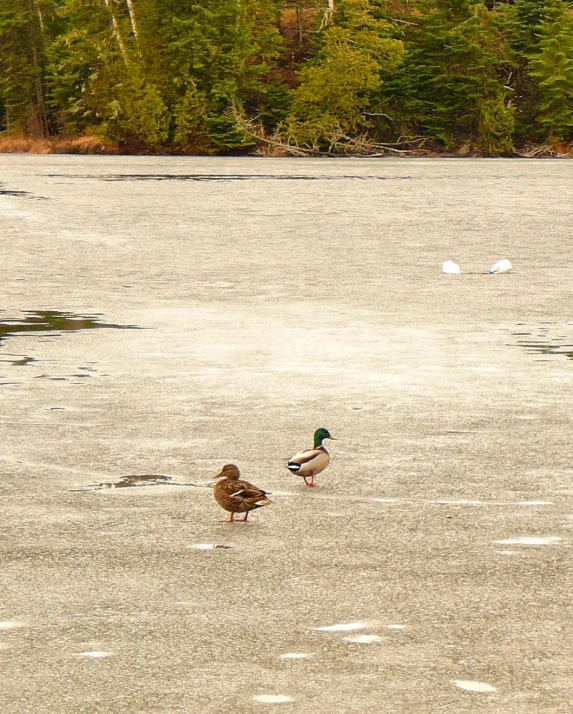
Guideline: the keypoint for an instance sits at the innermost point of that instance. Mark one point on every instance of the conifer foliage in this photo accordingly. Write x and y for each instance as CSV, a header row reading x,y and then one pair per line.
x,y
552,73
314,76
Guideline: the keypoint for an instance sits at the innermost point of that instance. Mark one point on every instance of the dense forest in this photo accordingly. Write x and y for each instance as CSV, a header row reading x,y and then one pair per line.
x,y
289,77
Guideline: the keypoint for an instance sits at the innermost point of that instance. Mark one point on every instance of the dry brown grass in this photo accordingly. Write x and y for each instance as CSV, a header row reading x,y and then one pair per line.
x,y
21,144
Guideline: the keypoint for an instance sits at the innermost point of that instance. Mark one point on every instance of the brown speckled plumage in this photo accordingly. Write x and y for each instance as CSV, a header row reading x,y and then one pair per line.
x,y
237,496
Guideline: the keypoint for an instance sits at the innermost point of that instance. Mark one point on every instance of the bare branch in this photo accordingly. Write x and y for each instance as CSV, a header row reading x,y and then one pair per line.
x,y
340,144
404,22
377,114
535,152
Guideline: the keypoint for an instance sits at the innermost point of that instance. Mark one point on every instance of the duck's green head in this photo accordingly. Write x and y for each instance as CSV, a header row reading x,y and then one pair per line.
x,y
320,435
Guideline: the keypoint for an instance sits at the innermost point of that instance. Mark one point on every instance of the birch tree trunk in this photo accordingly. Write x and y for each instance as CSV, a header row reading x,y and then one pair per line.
x,y
115,28
299,26
40,118
328,14
40,16
131,13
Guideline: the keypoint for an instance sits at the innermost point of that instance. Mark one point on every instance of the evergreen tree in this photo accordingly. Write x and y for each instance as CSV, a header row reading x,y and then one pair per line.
x,y
552,70
98,81
25,28
167,75
192,122
496,128
456,60
336,89
521,24
78,58
228,52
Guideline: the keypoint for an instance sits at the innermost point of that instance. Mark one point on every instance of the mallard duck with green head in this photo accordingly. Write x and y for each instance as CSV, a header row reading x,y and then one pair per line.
x,y
236,495
310,462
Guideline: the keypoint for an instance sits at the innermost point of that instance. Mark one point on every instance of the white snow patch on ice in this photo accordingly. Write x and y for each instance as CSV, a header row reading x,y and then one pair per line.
x,y
536,503
529,540
459,502
342,627
363,639
11,624
471,686
272,698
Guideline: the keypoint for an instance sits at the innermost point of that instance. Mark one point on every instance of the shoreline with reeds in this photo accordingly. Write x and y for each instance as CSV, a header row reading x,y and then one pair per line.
x,y
97,145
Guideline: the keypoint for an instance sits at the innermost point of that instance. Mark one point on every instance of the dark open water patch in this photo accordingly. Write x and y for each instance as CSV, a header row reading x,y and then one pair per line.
x,y
23,361
20,194
9,192
39,322
228,177
53,320
550,339
138,480
17,360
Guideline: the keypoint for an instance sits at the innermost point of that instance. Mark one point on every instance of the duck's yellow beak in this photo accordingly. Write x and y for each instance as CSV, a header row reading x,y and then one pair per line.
x,y
334,438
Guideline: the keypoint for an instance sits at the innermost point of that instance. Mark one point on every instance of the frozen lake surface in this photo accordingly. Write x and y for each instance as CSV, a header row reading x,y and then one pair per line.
x,y
247,302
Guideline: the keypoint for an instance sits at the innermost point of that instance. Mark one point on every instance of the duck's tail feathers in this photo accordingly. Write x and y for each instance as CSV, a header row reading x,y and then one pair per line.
x,y
293,467
263,502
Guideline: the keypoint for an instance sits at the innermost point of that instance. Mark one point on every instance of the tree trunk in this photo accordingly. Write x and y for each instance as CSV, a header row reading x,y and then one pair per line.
x,y
328,14
299,27
131,12
40,16
115,29
40,121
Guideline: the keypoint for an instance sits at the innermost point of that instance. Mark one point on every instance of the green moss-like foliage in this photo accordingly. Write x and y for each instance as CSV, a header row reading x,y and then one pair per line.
x,y
496,128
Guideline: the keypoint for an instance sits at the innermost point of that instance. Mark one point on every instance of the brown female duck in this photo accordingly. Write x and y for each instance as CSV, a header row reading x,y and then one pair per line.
x,y
237,496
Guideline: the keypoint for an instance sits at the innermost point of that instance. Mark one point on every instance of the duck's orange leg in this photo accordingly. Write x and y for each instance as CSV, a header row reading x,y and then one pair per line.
x,y
244,520
312,484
